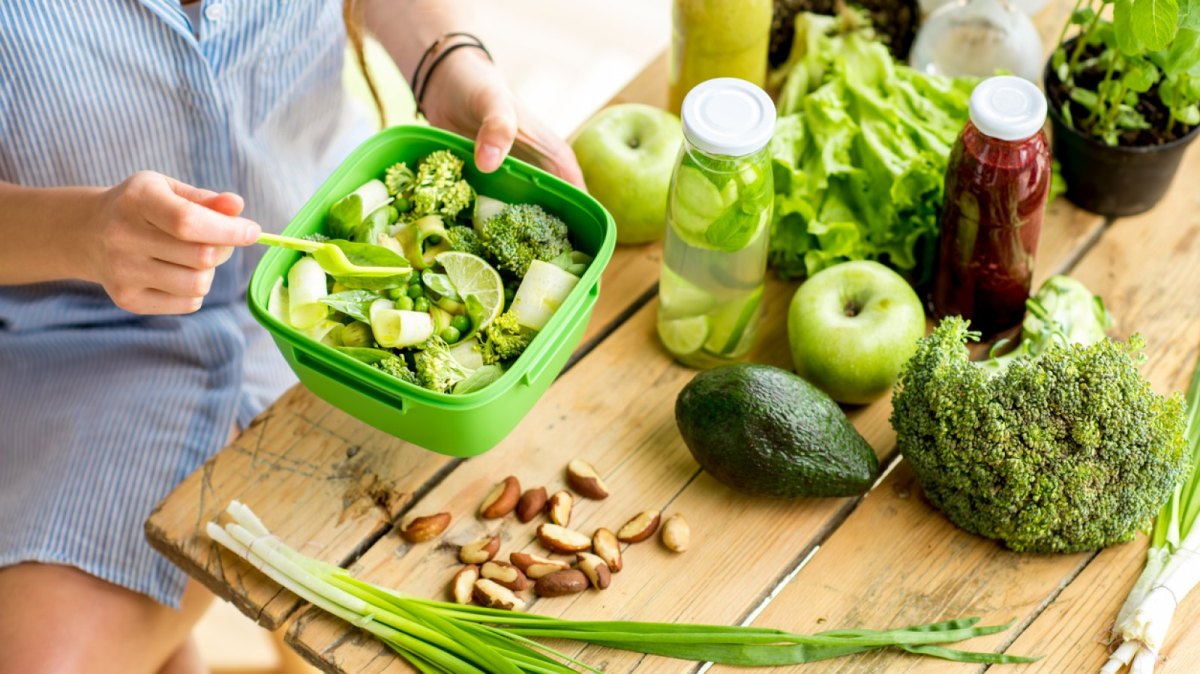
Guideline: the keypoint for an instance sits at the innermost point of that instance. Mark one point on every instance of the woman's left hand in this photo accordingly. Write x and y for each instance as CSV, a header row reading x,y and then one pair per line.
x,y
467,94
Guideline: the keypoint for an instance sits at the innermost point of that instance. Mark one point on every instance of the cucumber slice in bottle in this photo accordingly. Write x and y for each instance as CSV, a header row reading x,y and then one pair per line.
x,y
684,336
729,322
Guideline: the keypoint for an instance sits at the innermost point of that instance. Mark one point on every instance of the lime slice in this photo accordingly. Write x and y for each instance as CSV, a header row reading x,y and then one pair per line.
x,y
683,336
681,298
729,323
695,203
472,275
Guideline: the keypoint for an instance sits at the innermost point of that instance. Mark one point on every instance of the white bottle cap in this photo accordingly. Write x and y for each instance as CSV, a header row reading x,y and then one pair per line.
x,y
728,116
1008,108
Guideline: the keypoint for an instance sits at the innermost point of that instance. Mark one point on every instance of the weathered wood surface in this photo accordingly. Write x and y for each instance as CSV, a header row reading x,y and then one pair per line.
x,y
343,482
333,487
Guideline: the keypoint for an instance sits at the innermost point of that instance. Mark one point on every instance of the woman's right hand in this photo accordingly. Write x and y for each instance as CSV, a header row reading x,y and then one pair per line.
x,y
155,243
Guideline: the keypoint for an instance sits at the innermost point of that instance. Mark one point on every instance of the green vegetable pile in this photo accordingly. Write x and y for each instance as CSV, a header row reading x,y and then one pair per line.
x,y
476,279
860,152
1062,448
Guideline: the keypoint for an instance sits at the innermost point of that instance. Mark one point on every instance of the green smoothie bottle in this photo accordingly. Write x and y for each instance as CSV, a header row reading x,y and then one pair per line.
x,y
718,38
718,224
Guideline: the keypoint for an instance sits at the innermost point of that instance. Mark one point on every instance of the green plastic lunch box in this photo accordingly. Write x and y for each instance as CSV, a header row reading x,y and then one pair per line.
x,y
456,425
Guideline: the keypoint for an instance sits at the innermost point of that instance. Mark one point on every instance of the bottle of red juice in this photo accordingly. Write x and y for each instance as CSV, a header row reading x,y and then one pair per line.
x,y
995,198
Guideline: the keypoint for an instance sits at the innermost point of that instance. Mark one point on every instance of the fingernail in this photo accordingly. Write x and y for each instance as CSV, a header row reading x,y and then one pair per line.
x,y
252,233
489,157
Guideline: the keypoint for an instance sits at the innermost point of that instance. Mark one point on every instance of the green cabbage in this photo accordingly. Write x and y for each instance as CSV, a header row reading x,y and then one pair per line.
x,y
860,153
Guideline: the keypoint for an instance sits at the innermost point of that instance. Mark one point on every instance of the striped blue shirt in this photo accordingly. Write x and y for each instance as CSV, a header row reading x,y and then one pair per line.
x,y
101,411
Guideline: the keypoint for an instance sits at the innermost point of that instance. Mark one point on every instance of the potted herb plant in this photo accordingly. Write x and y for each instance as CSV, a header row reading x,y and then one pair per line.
x,y
1124,94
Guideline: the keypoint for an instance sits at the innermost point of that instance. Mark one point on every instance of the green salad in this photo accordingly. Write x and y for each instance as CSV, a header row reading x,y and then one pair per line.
x,y
476,278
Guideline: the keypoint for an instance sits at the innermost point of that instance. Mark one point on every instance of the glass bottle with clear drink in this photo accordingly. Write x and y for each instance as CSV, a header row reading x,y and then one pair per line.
x,y
718,224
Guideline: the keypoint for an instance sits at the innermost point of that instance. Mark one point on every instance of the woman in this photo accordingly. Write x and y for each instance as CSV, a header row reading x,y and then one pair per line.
x,y
143,143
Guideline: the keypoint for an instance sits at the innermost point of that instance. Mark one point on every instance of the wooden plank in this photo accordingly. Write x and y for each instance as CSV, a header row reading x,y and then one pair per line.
x,y
293,458
615,409
1146,269
327,478
935,571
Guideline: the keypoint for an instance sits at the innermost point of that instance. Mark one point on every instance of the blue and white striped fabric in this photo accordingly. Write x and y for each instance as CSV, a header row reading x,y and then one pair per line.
x,y
103,412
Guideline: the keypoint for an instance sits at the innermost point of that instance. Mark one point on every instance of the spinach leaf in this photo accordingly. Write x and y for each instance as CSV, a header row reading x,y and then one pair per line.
x,y
354,303
478,379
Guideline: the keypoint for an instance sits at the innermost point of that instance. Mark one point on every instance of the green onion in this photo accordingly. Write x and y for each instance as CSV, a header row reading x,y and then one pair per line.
x,y
440,637
1172,563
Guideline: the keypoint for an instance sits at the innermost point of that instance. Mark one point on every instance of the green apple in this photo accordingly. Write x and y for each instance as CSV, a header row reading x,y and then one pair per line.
x,y
627,152
852,327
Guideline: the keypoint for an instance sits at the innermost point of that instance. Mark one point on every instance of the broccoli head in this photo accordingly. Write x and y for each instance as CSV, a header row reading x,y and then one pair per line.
x,y
437,369
398,368
465,240
1065,450
399,178
522,233
439,188
503,339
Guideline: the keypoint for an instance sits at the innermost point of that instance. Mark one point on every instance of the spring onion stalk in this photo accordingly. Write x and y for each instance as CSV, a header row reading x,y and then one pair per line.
x,y
306,287
443,638
1172,567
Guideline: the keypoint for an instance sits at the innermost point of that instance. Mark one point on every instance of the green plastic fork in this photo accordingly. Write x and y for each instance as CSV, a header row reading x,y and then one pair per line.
x,y
331,257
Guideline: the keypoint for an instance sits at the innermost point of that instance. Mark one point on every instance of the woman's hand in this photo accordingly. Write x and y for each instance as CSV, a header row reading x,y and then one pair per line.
x,y
467,94
154,243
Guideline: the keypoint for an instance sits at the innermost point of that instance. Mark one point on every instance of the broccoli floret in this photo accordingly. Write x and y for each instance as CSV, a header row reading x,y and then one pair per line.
x,y
440,188
522,233
437,370
398,368
1065,450
465,240
503,339
399,179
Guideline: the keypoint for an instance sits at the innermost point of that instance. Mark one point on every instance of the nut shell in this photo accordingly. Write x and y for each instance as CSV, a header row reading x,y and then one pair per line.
x,y
501,500
462,587
560,583
480,551
585,480
642,526
532,502
562,540
504,574
560,506
421,528
595,569
607,547
494,595
676,534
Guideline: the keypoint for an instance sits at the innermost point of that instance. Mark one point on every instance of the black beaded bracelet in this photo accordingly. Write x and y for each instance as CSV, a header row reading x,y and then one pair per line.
x,y
421,84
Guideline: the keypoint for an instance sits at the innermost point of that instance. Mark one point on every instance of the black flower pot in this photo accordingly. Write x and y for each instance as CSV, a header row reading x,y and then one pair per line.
x,y
1113,181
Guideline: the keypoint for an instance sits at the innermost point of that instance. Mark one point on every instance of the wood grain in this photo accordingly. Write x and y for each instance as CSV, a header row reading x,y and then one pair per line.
x,y
937,571
293,459
1146,269
617,406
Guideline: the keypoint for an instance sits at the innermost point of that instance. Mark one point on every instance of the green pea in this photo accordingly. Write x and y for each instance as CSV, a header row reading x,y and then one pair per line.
x,y
509,294
402,205
420,304
415,291
397,293
461,323
392,214
404,303
451,334
433,240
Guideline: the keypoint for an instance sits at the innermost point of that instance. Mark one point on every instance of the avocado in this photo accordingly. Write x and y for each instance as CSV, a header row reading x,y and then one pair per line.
x,y
765,431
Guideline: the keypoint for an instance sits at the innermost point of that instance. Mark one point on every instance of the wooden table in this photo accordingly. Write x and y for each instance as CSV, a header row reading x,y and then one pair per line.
x,y
333,487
